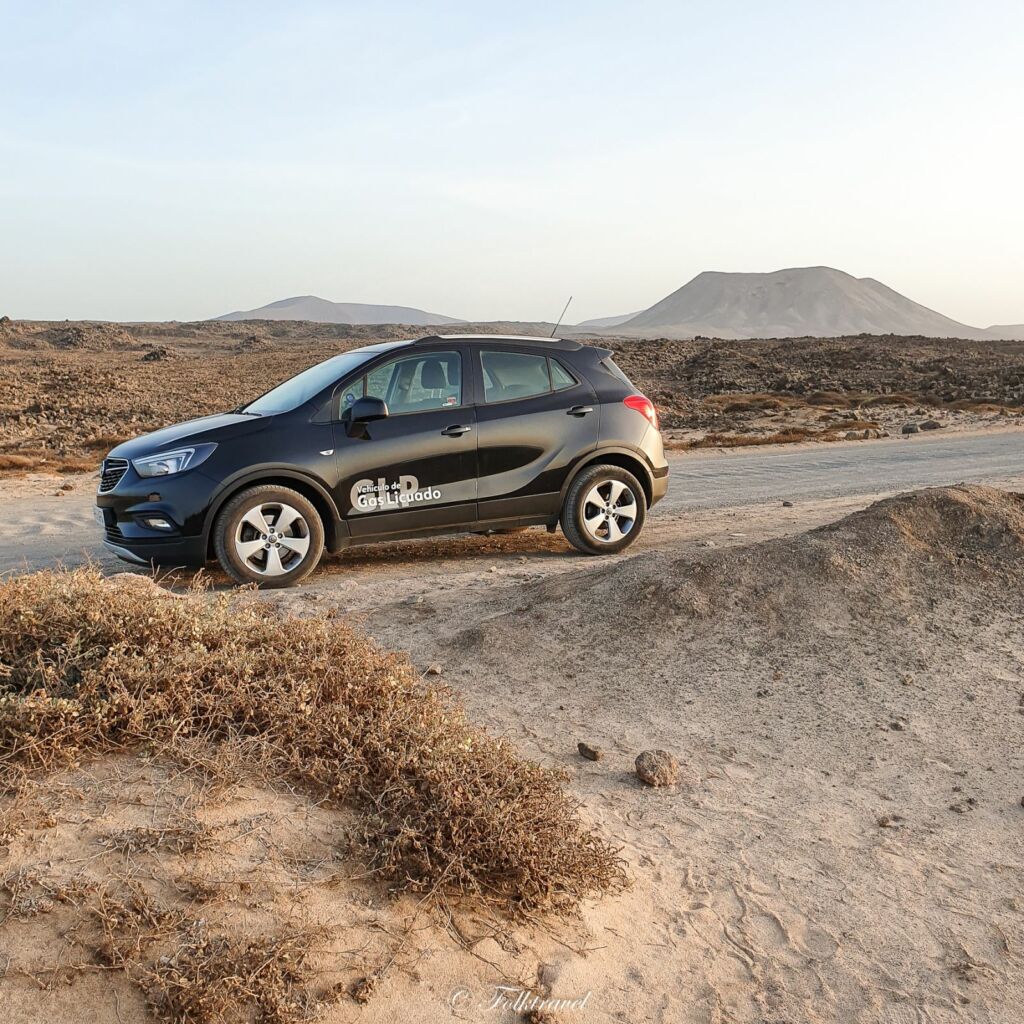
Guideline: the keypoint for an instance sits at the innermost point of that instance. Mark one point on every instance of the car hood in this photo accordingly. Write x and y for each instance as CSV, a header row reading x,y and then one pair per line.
x,y
219,427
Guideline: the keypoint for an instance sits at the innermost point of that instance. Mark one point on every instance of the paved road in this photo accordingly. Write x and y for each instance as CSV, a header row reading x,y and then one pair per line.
x,y
41,529
751,476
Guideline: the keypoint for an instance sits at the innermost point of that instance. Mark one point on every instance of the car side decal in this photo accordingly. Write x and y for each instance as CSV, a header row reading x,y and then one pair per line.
x,y
374,495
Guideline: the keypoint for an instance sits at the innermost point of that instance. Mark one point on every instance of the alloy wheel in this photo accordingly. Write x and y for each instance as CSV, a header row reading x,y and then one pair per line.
x,y
609,511
272,539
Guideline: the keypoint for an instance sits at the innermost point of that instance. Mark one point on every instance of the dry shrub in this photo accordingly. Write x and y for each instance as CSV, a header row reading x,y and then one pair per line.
x,y
129,922
88,665
35,459
856,424
185,833
792,435
18,462
217,979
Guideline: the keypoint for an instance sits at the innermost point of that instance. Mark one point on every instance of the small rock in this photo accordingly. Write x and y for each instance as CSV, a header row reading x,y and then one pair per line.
x,y
67,486
708,544
962,806
787,504
493,568
897,726
434,670
765,691
931,425
415,599
891,821
589,752
910,428
657,768
547,975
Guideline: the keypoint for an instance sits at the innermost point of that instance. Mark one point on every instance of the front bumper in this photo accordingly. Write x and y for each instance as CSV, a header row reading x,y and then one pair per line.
x,y
124,554
188,551
181,501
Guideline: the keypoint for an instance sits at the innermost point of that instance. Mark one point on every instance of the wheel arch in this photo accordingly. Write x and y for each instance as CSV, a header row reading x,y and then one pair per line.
x,y
621,457
317,495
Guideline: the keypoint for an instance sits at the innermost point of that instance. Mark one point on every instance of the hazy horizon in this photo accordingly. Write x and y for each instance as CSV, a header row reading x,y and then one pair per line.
x,y
484,163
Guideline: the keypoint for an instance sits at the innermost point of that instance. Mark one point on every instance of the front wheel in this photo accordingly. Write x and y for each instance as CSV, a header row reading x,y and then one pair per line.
x,y
604,510
268,535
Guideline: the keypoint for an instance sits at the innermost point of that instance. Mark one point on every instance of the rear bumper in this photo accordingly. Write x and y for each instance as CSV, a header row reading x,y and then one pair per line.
x,y
659,485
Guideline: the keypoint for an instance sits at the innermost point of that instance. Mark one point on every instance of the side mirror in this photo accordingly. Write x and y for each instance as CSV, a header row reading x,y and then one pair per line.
x,y
363,410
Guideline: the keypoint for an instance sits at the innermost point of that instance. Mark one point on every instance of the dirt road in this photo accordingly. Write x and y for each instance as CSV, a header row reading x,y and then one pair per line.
x,y
712,497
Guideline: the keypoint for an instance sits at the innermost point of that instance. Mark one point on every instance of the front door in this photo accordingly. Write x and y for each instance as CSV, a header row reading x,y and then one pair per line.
x,y
417,468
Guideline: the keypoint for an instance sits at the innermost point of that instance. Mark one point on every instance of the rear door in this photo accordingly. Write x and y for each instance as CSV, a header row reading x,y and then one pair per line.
x,y
535,419
417,468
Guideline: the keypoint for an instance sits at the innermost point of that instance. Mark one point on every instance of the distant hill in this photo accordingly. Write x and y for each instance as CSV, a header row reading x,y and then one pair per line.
x,y
816,301
311,307
608,321
1008,332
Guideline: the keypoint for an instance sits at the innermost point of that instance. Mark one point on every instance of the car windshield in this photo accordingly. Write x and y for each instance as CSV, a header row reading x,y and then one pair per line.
x,y
303,386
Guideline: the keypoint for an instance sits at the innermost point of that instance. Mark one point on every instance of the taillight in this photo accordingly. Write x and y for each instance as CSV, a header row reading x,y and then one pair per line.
x,y
644,406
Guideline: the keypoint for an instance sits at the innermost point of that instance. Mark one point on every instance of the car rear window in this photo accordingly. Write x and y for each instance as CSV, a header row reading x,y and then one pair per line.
x,y
561,378
509,375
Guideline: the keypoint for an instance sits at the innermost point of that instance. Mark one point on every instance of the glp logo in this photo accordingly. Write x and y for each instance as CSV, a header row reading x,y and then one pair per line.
x,y
373,495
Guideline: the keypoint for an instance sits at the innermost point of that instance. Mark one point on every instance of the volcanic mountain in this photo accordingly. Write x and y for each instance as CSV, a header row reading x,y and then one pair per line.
x,y
815,301
311,307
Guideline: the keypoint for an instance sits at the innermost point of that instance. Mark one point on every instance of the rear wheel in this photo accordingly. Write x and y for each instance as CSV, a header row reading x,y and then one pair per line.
x,y
269,535
604,510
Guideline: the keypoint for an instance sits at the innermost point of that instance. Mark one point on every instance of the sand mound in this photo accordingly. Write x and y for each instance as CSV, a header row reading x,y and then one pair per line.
x,y
900,555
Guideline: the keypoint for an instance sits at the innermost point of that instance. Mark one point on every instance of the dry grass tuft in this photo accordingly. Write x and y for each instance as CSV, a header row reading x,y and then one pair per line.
x,y
88,665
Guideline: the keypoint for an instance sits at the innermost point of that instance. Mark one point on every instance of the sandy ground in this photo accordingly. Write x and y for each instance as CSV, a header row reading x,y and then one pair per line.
x,y
847,842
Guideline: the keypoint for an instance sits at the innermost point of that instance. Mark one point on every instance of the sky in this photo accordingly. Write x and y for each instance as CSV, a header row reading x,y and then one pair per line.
x,y
178,160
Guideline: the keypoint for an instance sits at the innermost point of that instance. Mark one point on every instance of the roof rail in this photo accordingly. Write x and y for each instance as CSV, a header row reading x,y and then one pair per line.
x,y
519,339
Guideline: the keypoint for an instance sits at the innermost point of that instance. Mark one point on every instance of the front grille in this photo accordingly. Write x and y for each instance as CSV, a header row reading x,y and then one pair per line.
x,y
113,470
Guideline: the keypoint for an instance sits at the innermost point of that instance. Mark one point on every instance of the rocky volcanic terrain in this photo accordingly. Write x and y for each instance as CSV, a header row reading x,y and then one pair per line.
x,y
69,391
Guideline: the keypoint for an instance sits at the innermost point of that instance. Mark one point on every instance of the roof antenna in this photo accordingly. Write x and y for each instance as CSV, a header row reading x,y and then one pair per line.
x,y
559,324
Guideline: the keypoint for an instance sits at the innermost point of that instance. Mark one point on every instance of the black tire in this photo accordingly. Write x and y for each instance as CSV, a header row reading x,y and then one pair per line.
x,y
285,557
620,530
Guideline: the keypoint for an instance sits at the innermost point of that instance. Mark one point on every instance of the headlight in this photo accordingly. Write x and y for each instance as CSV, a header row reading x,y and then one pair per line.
x,y
167,463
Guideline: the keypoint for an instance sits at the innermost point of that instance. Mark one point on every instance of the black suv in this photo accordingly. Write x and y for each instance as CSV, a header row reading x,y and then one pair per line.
x,y
446,434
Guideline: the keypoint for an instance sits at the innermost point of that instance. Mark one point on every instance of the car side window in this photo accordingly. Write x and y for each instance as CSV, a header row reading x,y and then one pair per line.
x,y
428,380
509,375
561,378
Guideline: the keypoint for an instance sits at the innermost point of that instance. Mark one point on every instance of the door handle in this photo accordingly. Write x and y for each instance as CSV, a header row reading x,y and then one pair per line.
x,y
456,431
580,410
